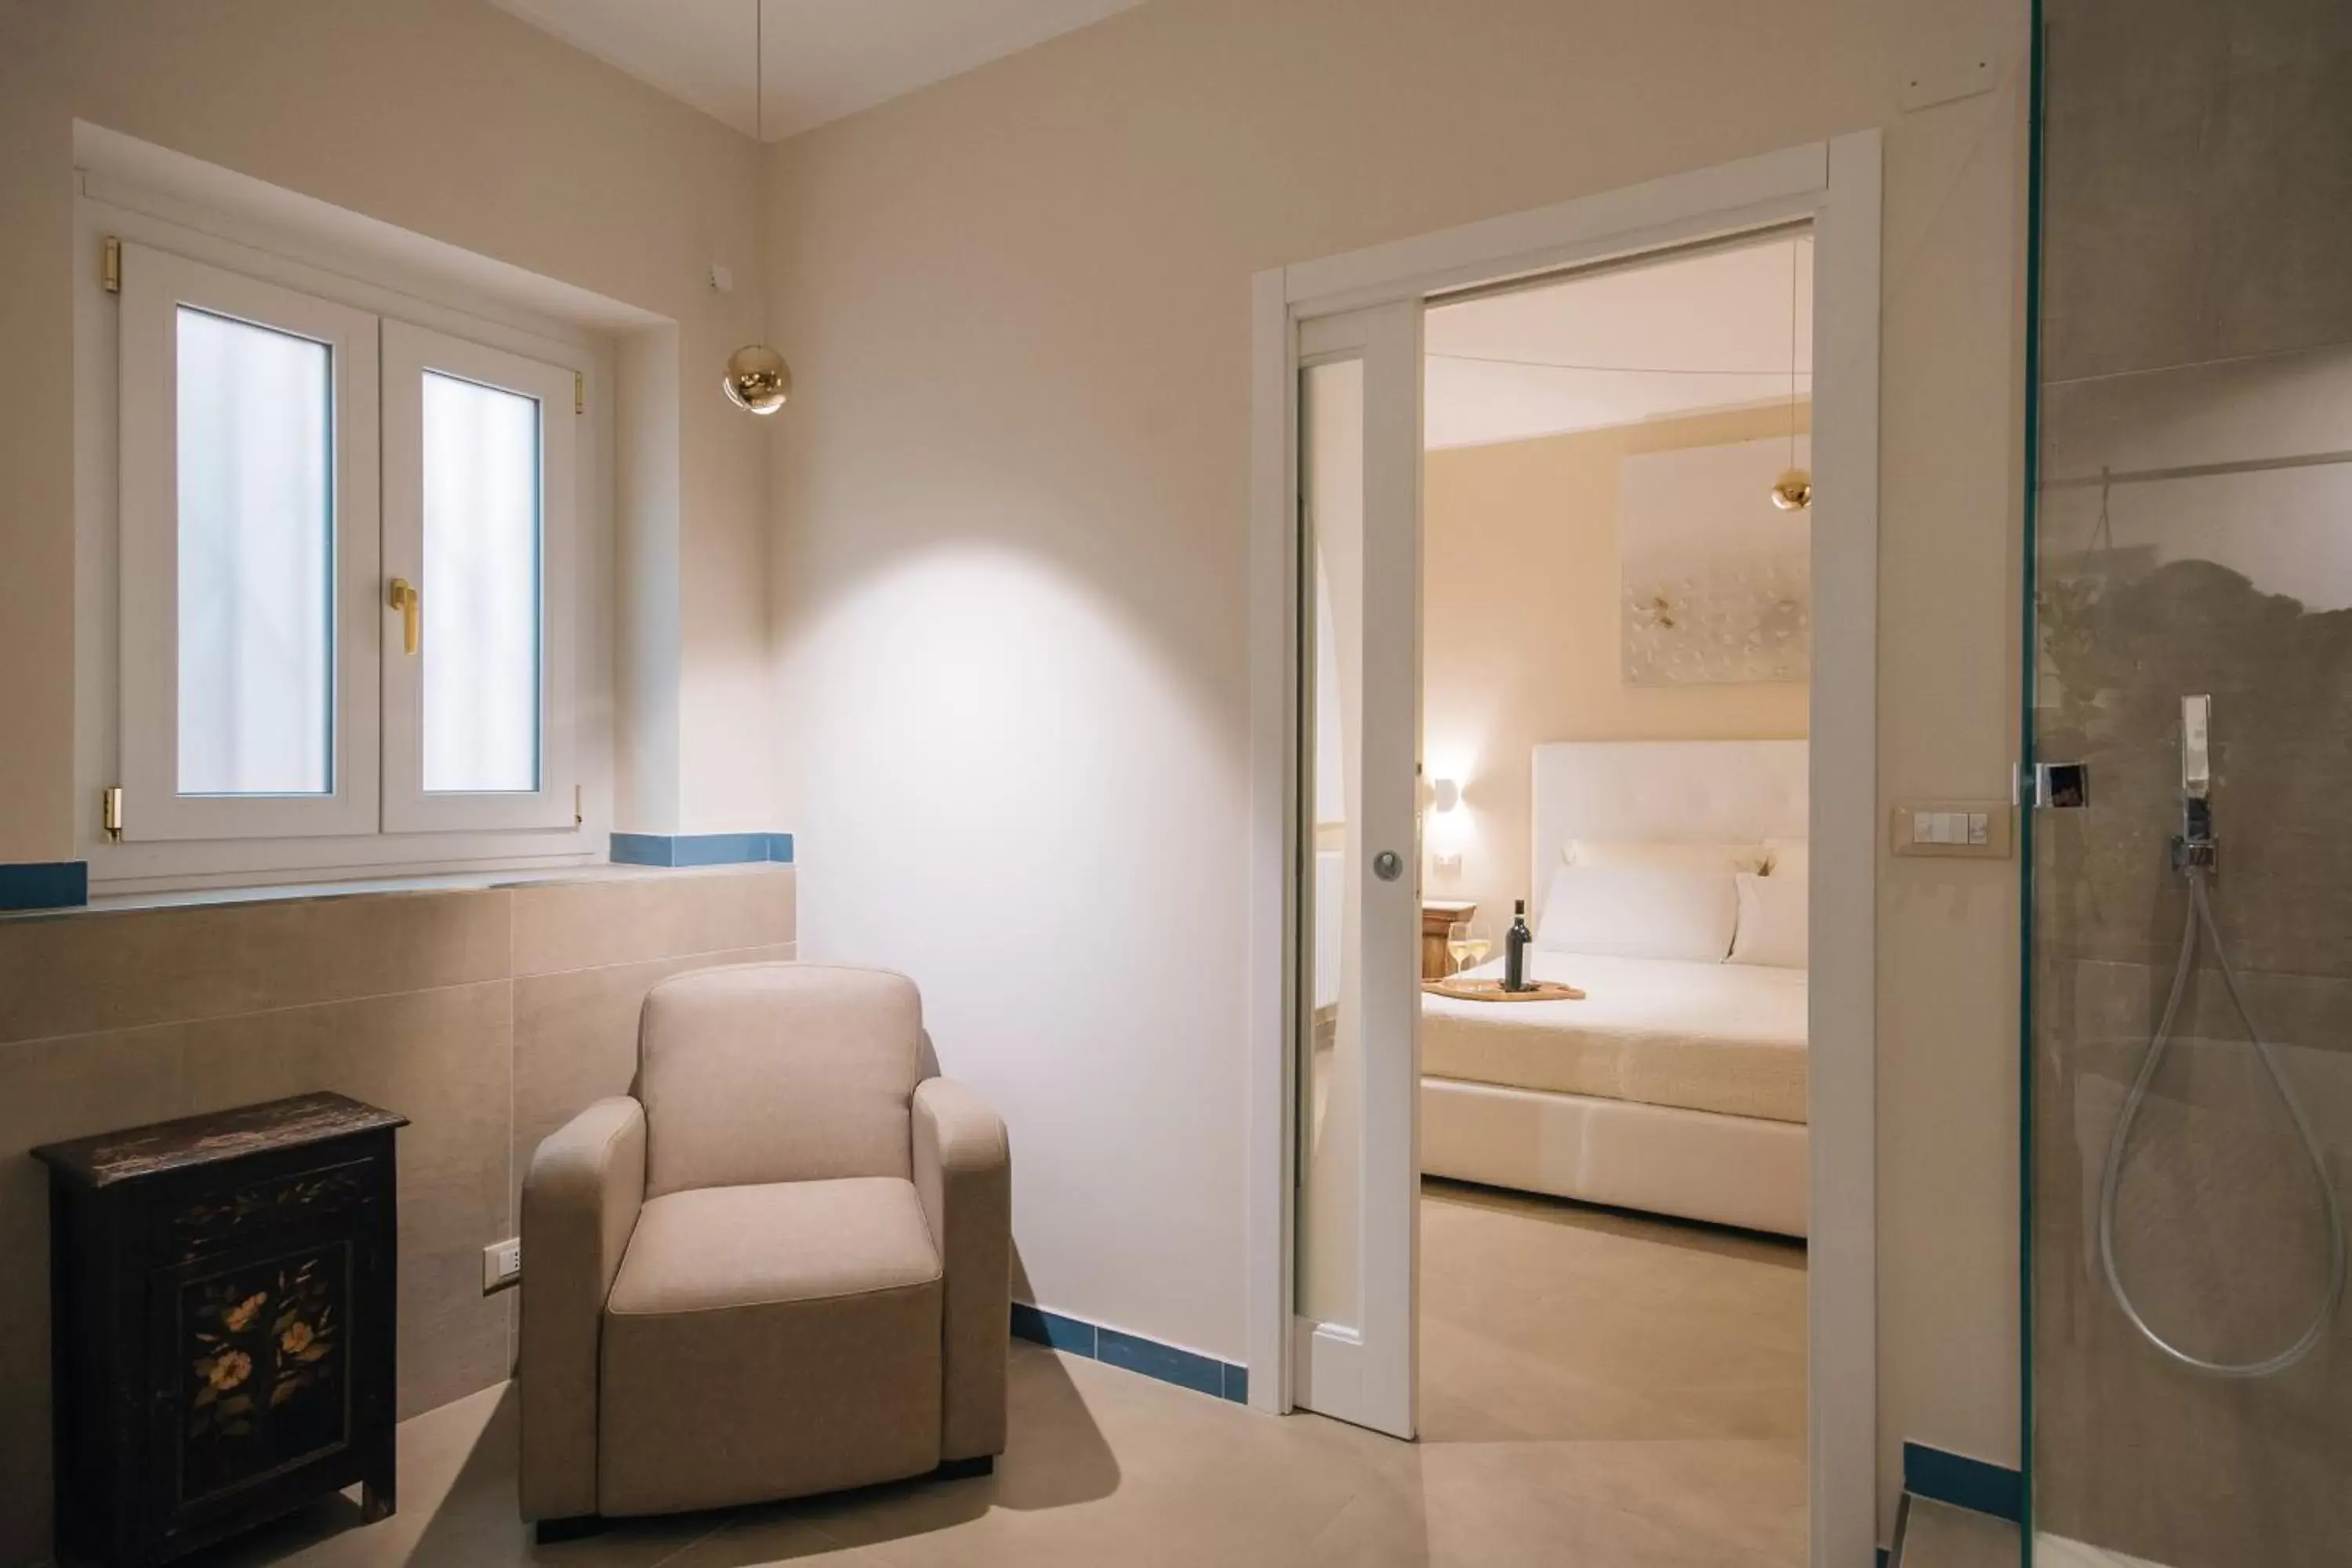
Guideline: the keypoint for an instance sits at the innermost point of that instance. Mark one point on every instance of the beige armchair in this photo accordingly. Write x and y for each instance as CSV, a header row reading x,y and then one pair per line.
x,y
783,1266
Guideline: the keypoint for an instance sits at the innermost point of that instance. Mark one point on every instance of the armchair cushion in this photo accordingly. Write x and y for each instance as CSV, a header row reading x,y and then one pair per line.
x,y
771,1341
715,1248
777,1072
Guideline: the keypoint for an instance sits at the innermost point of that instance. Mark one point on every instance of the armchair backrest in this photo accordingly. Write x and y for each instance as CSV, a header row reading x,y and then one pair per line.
x,y
777,1072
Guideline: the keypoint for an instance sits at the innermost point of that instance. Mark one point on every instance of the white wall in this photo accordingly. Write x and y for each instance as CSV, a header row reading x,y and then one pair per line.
x,y
1522,589
444,118
1011,501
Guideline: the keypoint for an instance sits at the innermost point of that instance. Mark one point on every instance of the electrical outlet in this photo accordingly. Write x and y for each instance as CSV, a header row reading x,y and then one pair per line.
x,y
501,1265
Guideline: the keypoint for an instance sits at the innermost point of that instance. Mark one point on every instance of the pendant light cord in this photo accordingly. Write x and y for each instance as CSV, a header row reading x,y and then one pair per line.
x,y
760,84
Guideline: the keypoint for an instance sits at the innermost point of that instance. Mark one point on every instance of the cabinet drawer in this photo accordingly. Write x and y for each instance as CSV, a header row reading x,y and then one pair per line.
x,y
249,1209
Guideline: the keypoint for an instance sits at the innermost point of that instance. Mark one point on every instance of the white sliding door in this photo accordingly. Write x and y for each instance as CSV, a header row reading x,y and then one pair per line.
x,y
1358,897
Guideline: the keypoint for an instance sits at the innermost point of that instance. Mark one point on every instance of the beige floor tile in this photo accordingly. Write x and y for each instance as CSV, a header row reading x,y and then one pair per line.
x,y
1585,1469
1937,1535
456,1509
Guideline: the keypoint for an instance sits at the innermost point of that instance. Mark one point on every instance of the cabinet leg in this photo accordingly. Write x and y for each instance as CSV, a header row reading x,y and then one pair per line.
x,y
376,1499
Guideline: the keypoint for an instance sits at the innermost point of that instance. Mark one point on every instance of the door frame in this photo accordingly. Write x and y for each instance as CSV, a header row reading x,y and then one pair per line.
x,y
1836,186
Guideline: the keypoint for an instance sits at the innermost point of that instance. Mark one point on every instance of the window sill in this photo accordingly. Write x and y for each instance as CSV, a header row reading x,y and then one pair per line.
x,y
442,882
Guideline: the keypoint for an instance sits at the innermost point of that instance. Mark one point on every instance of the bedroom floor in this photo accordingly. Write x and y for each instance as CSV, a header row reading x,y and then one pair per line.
x,y
1615,1379
1597,1389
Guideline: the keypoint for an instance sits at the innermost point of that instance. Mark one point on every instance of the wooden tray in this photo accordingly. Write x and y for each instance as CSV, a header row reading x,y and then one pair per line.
x,y
1492,991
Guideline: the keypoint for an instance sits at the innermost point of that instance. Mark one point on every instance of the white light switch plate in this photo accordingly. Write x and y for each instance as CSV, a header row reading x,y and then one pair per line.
x,y
1962,829
501,1265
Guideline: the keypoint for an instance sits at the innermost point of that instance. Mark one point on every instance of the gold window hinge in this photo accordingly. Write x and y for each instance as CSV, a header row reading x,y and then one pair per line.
x,y
109,265
109,812
579,392
579,805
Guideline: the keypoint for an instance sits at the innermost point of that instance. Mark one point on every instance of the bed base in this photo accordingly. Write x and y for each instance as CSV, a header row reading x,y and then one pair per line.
x,y
1696,1164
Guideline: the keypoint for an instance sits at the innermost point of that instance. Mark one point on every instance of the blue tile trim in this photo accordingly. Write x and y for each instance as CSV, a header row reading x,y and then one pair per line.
x,y
1072,1334
1964,1482
1132,1352
44,884
700,848
1186,1369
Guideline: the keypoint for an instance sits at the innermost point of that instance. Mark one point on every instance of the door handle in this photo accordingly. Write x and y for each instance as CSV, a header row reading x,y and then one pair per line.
x,y
1388,865
411,605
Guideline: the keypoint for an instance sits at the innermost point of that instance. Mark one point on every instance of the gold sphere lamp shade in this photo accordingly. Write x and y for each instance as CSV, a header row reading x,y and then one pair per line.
x,y
758,379
1794,490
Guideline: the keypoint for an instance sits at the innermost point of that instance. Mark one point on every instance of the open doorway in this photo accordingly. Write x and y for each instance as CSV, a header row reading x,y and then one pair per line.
x,y
1648,1233
1616,661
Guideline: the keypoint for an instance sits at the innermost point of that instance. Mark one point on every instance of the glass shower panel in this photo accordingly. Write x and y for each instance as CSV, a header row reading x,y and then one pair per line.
x,y
1331,475
2190,1020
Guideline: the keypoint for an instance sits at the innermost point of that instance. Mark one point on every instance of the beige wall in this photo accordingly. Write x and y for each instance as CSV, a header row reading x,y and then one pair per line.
x,y
444,117
1521,640
1011,506
486,1016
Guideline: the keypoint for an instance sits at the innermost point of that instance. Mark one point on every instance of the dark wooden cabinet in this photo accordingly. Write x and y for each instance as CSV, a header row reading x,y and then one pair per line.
x,y
222,1301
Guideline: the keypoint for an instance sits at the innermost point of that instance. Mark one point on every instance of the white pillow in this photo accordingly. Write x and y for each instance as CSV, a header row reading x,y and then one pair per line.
x,y
1772,916
1674,856
1786,856
1640,912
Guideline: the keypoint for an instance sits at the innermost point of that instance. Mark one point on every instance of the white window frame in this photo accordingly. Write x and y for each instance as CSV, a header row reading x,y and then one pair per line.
x,y
410,351
155,284
287,242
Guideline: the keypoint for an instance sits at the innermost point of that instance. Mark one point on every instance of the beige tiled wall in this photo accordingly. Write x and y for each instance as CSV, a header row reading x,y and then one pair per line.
x,y
486,1016
2197,316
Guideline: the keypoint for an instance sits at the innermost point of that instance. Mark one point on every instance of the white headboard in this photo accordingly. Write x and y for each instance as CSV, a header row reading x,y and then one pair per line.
x,y
1706,792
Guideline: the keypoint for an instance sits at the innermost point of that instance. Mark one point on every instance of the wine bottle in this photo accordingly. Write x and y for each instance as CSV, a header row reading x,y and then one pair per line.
x,y
1515,947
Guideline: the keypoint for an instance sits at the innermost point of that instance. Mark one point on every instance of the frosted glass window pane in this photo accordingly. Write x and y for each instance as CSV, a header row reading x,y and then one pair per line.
x,y
256,560
481,588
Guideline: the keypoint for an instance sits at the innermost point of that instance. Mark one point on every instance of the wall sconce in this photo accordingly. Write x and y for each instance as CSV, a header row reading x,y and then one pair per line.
x,y
1444,850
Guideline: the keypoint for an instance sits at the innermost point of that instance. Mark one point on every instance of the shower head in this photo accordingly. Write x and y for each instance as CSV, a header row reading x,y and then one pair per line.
x,y
2196,739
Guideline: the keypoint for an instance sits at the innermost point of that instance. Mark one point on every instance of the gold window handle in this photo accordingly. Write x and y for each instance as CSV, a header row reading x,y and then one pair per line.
x,y
411,605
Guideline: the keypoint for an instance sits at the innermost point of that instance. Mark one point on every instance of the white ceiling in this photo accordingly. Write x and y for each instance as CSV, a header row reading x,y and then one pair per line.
x,y
1697,333
825,58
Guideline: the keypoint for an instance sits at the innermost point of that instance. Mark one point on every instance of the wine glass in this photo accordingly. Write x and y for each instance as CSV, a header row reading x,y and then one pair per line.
x,y
1467,944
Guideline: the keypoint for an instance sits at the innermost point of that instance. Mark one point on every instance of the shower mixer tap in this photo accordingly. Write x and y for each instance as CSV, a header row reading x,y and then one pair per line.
x,y
2195,847
2195,857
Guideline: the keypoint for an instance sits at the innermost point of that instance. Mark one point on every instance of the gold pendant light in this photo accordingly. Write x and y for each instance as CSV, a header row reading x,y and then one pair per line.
x,y
1794,490
757,377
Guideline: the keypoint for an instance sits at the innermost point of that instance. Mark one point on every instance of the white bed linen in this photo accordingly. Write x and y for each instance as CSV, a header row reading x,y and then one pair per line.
x,y
1726,1039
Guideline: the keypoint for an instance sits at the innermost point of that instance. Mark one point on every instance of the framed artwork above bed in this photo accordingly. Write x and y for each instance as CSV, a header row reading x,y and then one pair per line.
x,y
1716,581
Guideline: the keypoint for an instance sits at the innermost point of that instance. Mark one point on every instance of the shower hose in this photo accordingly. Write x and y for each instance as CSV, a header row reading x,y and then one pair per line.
x,y
2201,918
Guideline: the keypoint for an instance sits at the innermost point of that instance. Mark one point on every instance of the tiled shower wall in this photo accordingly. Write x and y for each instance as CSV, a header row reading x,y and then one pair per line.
x,y
488,1017
2196,311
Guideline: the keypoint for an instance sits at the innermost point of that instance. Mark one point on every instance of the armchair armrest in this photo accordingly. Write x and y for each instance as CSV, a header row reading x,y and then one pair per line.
x,y
580,1203
963,1171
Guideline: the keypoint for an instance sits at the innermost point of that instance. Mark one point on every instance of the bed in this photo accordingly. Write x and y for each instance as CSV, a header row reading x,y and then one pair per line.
x,y
1677,1085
